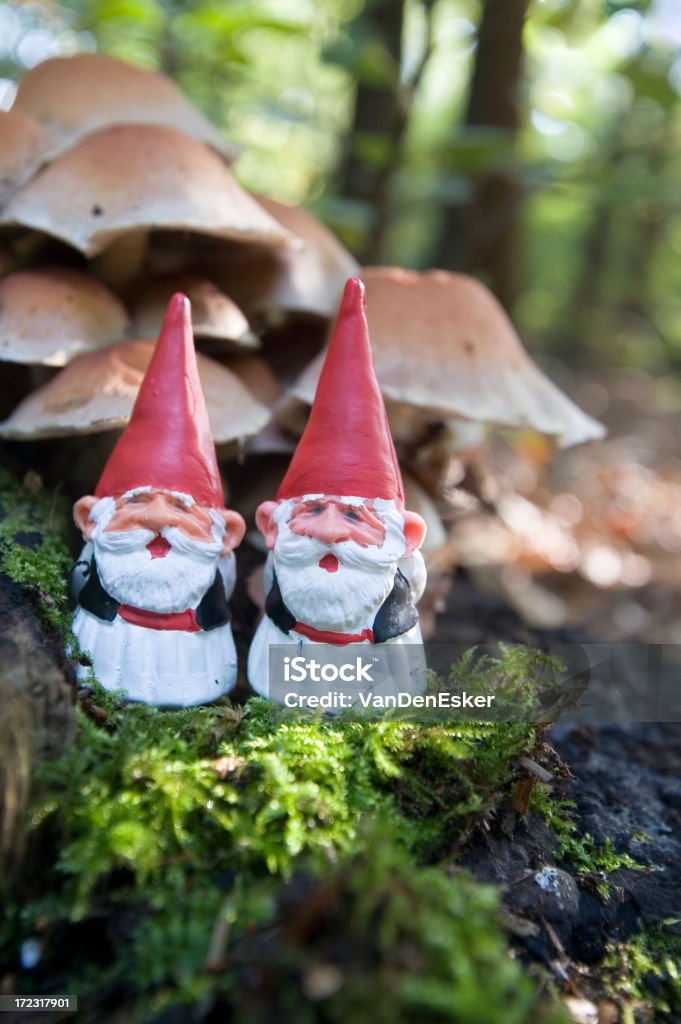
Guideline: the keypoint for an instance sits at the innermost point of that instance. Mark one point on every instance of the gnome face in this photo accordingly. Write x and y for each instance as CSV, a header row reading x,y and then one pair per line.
x,y
335,557
157,549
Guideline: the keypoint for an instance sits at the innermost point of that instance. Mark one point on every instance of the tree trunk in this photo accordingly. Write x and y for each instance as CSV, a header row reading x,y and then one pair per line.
x,y
482,236
379,120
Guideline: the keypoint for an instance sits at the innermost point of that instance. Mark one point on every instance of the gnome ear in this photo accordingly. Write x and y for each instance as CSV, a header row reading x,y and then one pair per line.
x,y
235,528
81,515
414,531
264,520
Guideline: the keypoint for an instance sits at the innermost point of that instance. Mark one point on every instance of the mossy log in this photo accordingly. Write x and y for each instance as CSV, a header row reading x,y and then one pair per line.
x,y
36,683
36,705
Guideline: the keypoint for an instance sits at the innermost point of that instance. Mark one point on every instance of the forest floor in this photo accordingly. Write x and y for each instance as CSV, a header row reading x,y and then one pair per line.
x,y
588,551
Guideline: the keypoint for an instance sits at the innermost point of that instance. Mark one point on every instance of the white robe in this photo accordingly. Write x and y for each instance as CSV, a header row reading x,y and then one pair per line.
x,y
405,678
165,667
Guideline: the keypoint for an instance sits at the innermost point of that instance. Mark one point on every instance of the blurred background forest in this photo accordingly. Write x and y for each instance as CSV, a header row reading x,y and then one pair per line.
x,y
534,143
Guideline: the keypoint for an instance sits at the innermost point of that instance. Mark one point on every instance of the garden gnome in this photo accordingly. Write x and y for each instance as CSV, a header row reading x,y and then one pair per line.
x,y
158,567
344,565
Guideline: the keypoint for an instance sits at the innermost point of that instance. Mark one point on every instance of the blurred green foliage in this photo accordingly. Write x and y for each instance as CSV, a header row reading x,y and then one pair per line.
x,y
596,159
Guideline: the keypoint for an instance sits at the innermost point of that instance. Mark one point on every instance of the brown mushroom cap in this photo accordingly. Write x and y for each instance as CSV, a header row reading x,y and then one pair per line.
x,y
255,374
96,392
214,314
307,279
23,144
73,96
443,345
52,314
127,177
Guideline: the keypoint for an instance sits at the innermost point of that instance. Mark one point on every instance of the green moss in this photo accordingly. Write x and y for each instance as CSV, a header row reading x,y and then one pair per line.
x,y
153,819
644,974
378,938
526,682
34,553
251,791
579,849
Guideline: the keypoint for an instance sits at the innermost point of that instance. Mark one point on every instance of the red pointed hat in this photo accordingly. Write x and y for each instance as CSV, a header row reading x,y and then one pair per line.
x,y
346,448
168,442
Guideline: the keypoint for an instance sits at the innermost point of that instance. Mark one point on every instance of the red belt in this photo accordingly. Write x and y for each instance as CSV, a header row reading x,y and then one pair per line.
x,y
323,636
184,621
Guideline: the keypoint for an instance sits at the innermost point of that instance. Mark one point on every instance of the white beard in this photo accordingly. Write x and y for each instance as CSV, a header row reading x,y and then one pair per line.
x,y
173,583
344,601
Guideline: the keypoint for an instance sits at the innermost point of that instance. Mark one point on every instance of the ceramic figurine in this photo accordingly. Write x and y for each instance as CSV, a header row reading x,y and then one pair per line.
x,y
343,565
157,569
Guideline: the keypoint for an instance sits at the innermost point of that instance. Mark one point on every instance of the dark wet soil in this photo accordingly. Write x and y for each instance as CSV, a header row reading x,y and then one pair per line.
x,y
626,788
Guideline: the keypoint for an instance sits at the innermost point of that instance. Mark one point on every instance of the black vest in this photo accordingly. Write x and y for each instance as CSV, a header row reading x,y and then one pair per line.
x,y
213,611
396,615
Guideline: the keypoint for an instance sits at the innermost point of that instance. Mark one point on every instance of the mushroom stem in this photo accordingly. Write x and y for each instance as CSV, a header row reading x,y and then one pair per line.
x,y
123,260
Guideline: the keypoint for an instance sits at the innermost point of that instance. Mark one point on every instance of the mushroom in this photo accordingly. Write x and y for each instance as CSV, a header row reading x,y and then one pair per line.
x,y
257,376
49,315
306,280
7,262
23,144
73,96
96,392
214,315
445,348
439,554
127,177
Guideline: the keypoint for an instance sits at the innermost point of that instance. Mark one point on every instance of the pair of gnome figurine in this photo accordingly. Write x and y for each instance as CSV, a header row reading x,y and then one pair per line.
x,y
157,570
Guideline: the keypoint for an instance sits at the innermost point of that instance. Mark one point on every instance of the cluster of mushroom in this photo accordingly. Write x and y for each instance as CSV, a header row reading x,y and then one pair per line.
x,y
109,179
116,192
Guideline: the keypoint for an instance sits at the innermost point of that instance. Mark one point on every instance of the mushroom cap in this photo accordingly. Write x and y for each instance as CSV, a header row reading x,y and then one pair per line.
x,y
214,314
23,144
49,315
126,177
307,279
73,96
443,344
96,392
256,375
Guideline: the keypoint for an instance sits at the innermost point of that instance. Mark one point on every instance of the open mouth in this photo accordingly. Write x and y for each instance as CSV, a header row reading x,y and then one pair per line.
x,y
329,562
158,547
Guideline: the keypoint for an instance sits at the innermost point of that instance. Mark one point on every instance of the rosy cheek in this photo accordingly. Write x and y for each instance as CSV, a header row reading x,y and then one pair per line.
x,y
197,528
197,531
117,524
300,525
367,534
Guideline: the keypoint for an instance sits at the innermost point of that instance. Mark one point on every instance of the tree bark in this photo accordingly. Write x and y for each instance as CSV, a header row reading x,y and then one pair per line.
x,y
382,111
